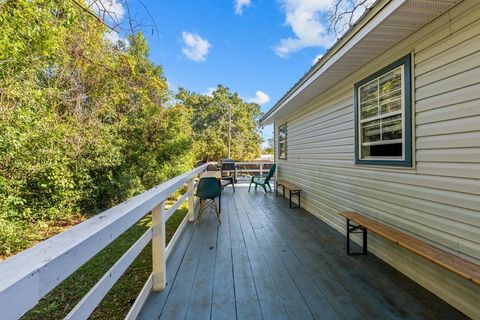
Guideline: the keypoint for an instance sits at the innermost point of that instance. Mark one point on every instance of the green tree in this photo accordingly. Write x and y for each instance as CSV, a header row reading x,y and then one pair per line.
x,y
209,123
84,123
268,149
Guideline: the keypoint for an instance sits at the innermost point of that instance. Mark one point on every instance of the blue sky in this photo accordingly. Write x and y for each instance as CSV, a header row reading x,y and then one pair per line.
x,y
258,48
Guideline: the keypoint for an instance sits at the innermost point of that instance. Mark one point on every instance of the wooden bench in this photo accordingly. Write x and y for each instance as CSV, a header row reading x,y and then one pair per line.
x,y
451,262
294,190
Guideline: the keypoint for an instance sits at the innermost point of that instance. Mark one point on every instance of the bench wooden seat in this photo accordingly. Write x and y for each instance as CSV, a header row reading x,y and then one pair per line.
x,y
294,190
451,262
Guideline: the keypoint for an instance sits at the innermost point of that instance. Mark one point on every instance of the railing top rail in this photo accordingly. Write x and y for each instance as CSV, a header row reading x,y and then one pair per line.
x,y
255,162
29,275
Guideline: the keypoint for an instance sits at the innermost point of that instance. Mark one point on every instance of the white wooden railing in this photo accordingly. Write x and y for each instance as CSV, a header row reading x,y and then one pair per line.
x,y
260,167
31,274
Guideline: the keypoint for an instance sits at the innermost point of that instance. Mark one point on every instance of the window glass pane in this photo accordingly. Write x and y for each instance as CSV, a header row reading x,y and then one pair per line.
x,y
371,131
380,111
391,106
281,150
282,132
369,109
282,142
369,91
391,95
390,81
392,127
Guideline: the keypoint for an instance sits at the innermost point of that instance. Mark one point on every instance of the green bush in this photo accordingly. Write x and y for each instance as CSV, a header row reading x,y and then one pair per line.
x,y
84,123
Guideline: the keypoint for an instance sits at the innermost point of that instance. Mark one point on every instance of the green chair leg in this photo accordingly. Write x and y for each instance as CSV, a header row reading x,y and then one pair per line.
x,y
263,180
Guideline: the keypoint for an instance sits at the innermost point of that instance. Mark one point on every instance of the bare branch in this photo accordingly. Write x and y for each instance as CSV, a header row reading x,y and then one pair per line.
x,y
132,30
153,25
343,13
91,13
131,25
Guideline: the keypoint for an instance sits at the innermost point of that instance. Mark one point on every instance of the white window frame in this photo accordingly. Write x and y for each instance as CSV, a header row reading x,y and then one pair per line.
x,y
379,117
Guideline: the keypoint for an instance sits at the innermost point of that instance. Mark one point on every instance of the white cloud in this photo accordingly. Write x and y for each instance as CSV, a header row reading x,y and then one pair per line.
x,y
260,98
240,4
317,57
195,47
305,19
309,22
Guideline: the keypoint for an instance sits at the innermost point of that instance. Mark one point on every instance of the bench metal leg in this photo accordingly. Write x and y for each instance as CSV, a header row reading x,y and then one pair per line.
x,y
353,229
295,194
290,195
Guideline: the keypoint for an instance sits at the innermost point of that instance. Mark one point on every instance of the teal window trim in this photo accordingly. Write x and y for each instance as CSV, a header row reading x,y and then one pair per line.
x,y
407,95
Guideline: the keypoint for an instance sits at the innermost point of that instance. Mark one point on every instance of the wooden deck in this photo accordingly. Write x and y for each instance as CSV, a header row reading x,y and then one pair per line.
x,y
266,261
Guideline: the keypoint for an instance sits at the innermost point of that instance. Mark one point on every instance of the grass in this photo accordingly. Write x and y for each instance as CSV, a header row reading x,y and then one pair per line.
x,y
121,297
18,236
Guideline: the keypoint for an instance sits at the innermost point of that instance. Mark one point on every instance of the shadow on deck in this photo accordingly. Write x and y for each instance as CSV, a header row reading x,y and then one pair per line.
x,y
268,261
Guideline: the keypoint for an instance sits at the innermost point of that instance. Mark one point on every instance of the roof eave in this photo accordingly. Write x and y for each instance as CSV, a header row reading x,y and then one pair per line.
x,y
338,45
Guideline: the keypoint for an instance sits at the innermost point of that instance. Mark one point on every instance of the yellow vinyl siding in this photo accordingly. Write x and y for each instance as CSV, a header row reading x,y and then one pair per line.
x,y
438,200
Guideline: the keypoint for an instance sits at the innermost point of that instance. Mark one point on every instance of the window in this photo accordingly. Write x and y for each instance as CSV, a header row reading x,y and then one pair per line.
x,y
282,142
383,131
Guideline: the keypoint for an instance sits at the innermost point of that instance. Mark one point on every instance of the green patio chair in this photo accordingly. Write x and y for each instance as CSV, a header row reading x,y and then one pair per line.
x,y
207,190
257,180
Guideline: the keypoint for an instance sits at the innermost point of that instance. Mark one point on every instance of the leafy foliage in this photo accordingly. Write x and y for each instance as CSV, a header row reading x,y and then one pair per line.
x,y
84,123
209,123
268,149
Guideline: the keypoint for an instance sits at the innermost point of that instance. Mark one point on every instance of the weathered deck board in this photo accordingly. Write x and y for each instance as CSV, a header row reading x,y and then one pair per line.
x,y
180,294
390,293
336,296
156,300
269,298
271,262
199,306
246,298
292,298
223,300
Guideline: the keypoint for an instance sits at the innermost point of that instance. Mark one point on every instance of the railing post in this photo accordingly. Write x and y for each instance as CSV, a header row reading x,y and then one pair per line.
x,y
158,248
261,168
191,201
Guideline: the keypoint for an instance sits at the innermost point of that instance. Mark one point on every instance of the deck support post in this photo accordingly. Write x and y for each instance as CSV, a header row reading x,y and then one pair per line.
x,y
158,248
191,201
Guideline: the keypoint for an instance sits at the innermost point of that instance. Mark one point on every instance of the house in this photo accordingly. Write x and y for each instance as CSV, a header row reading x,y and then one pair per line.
x,y
387,123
